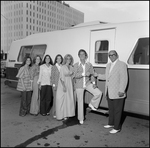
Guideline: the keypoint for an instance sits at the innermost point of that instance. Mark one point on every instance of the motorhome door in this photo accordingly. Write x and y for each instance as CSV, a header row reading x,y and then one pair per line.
x,y
101,42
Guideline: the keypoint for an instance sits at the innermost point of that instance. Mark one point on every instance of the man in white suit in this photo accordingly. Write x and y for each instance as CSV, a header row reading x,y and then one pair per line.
x,y
116,81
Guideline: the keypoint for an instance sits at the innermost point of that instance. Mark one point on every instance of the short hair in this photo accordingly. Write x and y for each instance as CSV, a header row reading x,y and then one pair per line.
x,y
115,52
44,61
34,59
25,59
65,59
82,50
58,55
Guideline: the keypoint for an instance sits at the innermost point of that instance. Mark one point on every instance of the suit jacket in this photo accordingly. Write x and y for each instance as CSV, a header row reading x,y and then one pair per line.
x,y
78,70
116,80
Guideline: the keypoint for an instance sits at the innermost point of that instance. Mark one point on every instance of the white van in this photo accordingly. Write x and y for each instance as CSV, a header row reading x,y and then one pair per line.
x,y
129,39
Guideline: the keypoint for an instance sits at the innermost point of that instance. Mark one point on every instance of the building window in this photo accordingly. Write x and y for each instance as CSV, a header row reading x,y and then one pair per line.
x,y
27,12
140,54
101,51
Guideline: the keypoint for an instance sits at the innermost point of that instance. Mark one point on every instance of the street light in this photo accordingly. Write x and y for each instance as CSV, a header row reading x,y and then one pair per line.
x,y
7,30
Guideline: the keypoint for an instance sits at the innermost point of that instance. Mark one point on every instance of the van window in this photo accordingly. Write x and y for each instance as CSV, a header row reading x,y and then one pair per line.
x,y
31,51
101,52
140,54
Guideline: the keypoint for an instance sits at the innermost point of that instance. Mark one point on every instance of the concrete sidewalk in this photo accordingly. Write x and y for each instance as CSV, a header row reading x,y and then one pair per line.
x,y
45,131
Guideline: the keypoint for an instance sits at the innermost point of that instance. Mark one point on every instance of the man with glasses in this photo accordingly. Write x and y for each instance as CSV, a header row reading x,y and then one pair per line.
x,y
84,80
116,81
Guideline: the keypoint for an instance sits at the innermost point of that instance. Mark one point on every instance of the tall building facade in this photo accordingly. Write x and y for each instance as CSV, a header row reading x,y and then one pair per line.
x,y
22,18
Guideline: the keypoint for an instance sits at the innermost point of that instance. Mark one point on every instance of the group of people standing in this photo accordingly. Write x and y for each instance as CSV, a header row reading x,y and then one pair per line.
x,y
64,83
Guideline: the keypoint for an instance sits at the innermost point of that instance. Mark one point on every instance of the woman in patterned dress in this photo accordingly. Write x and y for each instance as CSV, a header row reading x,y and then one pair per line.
x,y
35,100
65,103
24,85
55,77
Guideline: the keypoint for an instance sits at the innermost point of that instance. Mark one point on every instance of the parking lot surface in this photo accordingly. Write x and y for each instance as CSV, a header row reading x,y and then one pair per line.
x,y
45,131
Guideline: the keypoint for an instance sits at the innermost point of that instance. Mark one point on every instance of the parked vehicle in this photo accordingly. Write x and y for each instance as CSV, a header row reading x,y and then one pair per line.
x,y
129,39
3,64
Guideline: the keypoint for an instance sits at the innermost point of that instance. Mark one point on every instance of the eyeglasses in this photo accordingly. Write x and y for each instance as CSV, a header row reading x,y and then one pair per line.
x,y
111,55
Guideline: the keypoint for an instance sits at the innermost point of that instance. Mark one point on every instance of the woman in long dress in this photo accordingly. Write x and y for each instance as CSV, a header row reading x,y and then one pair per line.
x,y
65,104
35,100
55,77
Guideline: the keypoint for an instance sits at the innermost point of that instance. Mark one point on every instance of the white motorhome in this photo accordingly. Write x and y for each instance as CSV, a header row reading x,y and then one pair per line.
x,y
129,39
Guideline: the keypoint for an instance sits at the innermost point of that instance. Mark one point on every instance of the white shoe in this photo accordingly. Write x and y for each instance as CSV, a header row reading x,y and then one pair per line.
x,y
92,107
81,121
54,116
108,126
113,131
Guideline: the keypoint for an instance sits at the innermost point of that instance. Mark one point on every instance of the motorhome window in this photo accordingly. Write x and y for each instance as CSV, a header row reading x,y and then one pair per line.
x,y
140,54
38,50
101,52
24,52
31,51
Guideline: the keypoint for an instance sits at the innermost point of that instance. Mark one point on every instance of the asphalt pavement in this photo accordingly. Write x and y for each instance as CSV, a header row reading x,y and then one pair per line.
x,y
45,131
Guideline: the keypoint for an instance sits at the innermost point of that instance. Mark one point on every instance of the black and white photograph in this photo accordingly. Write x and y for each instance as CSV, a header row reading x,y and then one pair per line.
x,y
74,73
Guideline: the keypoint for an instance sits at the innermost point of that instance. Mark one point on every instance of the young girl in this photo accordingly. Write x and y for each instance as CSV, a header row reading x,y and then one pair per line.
x,y
24,85
35,100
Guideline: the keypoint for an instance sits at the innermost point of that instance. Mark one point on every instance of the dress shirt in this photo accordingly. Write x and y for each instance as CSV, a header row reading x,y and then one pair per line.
x,y
83,74
45,75
112,65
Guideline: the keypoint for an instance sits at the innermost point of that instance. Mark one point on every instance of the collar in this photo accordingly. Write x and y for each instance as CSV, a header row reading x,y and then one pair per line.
x,y
58,65
81,63
113,63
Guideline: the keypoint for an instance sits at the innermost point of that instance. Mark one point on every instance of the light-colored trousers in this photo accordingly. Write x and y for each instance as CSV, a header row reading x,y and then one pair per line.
x,y
97,94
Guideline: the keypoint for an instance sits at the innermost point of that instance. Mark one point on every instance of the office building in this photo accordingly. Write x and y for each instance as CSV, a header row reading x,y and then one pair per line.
x,y
22,18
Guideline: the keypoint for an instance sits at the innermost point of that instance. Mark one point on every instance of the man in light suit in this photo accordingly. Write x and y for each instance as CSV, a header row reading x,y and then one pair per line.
x,y
116,81
84,80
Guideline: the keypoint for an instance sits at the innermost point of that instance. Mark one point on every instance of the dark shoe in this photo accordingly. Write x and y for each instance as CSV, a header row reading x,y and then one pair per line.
x,y
48,114
43,114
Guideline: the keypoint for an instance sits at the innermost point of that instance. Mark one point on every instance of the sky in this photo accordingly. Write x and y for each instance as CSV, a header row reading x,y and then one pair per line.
x,y
112,11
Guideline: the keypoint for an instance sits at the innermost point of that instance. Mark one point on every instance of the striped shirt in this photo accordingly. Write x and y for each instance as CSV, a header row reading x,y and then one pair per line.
x,y
24,74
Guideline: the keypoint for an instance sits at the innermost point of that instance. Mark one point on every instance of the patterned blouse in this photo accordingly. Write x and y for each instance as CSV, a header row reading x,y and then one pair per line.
x,y
24,74
34,71
55,76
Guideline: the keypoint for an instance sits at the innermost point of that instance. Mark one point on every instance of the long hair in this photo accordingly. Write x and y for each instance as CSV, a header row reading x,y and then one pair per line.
x,y
34,59
58,55
44,61
24,61
65,59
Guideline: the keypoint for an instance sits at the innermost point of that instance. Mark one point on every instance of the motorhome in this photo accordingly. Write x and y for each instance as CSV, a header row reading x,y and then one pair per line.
x,y
129,39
